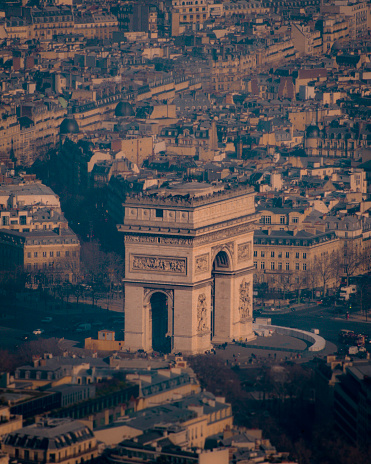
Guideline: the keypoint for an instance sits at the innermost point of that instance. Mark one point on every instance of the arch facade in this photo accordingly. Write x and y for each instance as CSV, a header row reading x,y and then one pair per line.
x,y
199,253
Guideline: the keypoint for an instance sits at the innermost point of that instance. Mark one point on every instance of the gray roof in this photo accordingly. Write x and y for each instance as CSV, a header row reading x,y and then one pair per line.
x,y
49,434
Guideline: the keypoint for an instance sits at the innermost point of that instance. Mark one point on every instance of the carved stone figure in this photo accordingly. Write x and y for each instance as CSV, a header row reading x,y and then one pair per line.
x,y
245,300
202,263
149,263
244,251
202,322
136,239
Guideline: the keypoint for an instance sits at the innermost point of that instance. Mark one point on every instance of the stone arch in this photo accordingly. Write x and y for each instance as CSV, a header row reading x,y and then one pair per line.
x,y
222,257
159,306
148,292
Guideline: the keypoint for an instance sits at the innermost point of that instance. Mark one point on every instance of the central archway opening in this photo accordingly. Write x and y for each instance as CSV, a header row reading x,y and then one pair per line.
x,y
161,341
220,265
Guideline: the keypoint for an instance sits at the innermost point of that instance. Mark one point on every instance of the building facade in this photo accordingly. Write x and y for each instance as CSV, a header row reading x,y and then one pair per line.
x,y
53,440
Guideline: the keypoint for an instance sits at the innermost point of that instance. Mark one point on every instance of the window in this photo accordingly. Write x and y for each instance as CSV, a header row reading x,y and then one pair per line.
x,y
51,254
67,253
58,253
295,220
272,254
35,254
304,256
5,220
287,254
280,266
265,220
272,266
256,264
304,266
262,265
28,255
255,253
23,220
35,266
44,254
297,267
297,255
262,254
287,266
279,254
159,213
282,219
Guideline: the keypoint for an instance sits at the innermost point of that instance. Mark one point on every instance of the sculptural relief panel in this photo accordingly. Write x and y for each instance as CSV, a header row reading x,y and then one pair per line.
x,y
140,263
202,314
202,263
245,300
244,251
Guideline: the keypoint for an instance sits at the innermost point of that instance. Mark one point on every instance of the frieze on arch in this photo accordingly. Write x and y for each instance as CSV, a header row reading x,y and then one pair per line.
x,y
158,264
223,234
196,241
160,240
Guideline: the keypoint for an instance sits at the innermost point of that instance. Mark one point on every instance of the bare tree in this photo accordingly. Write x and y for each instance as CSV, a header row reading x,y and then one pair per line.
x,y
353,260
310,278
326,269
285,283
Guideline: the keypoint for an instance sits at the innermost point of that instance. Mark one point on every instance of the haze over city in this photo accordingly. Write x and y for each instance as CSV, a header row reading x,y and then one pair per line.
x,y
185,232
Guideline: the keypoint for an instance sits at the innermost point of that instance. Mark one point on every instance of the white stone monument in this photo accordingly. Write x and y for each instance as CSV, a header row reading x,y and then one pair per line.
x,y
188,267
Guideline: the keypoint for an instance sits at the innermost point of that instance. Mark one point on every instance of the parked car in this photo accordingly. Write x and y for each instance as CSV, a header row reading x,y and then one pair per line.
x,y
38,331
47,319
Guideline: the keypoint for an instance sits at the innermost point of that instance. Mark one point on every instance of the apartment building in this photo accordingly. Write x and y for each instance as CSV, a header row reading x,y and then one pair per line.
x,y
335,28
242,8
50,21
96,26
336,141
282,218
227,73
191,11
50,441
356,12
306,39
286,260
352,407
199,416
46,256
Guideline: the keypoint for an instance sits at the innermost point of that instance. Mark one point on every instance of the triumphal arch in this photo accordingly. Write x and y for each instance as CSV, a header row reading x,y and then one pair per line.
x,y
188,267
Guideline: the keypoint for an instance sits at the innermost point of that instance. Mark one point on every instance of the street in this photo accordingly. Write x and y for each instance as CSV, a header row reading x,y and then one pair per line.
x,y
324,319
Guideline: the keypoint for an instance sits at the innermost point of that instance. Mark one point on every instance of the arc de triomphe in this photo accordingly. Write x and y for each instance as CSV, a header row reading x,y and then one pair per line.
x,y
188,267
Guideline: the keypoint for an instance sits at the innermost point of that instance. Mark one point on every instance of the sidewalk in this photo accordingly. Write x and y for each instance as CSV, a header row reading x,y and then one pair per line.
x,y
265,312
355,317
